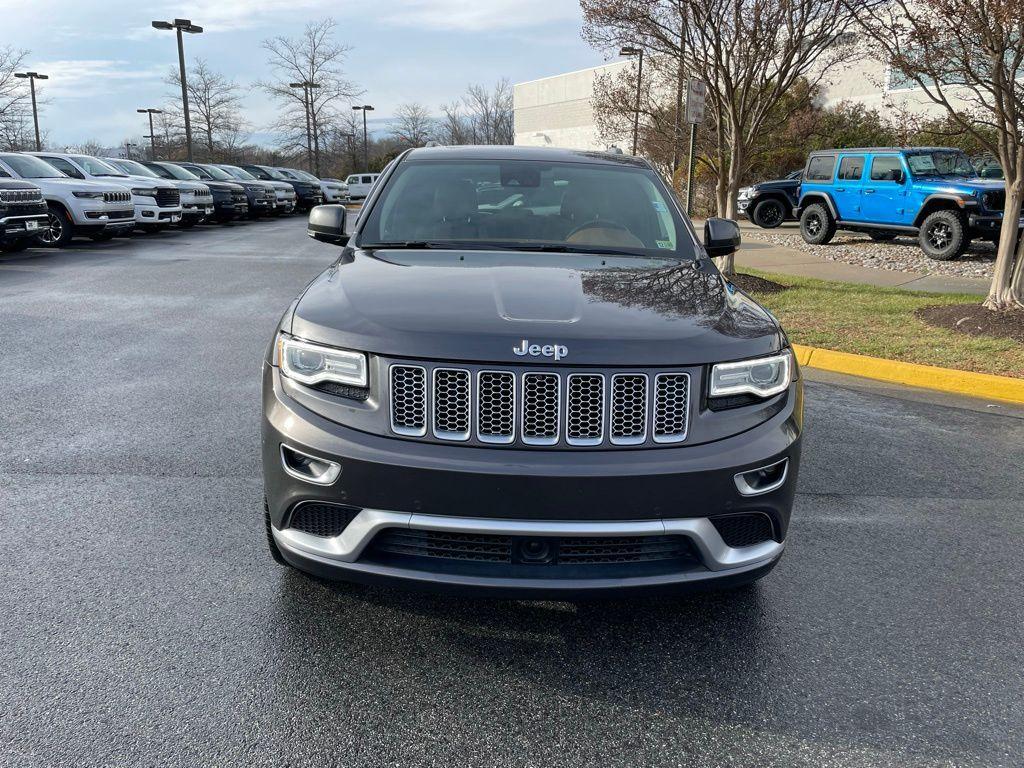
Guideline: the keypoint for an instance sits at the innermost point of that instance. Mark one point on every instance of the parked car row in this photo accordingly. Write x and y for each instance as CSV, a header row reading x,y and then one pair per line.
x,y
48,198
934,193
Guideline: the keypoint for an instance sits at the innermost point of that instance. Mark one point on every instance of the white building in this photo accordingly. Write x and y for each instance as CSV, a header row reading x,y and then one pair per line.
x,y
557,111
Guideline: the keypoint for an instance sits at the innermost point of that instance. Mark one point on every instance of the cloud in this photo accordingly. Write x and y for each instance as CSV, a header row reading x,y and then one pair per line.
x,y
493,15
87,78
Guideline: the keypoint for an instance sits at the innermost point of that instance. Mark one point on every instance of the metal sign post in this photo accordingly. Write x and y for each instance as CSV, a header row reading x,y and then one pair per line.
x,y
696,93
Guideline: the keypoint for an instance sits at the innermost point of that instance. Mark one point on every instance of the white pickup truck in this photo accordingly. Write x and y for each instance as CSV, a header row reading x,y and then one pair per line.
x,y
77,207
196,198
156,203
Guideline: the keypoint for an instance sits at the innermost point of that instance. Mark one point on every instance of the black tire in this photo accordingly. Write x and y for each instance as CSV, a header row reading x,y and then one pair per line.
x,y
60,231
943,235
16,246
275,553
817,227
187,222
882,237
769,214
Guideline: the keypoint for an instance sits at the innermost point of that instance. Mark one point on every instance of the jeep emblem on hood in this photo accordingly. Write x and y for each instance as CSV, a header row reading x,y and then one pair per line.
x,y
557,351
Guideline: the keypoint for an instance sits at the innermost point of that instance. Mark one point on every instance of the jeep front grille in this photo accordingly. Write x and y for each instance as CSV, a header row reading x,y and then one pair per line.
x,y
538,408
167,198
117,197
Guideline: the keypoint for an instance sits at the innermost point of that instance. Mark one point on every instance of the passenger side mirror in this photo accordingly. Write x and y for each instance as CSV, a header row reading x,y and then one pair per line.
x,y
721,237
327,223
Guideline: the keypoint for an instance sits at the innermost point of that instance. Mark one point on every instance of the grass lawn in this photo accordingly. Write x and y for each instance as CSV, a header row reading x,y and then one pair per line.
x,y
880,322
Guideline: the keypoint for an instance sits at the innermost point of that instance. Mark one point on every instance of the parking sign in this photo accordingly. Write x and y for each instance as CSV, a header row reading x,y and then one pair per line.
x,y
695,93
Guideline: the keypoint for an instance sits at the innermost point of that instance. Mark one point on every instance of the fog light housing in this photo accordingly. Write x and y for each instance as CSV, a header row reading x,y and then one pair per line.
x,y
755,482
310,469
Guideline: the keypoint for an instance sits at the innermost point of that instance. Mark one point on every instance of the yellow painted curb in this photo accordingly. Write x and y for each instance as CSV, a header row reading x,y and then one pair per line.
x,y
984,385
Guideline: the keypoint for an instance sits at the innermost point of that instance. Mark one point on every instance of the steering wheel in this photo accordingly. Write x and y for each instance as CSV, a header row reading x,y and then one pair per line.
x,y
597,224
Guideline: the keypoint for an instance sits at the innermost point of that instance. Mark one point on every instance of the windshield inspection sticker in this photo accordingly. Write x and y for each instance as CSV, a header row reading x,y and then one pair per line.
x,y
665,244
659,206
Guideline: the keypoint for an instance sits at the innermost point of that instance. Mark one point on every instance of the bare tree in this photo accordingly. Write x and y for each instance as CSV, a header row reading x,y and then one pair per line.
x,y
15,112
214,106
750,55
482,116
314,57
413,125
967,56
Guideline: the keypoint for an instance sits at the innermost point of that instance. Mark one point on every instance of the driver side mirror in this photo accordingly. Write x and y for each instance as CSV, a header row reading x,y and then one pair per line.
x,y
721,237
899,176
327,223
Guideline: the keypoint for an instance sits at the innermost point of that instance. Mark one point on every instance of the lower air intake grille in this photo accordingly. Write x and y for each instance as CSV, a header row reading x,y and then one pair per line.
x,y
744,530
566,550
321,519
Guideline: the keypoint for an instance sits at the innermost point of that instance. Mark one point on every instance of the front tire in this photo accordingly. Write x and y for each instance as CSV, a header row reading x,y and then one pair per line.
x,y
769,214
60,231
943,235
817,227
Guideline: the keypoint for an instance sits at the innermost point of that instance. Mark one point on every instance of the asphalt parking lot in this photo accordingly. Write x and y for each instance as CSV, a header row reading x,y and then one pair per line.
x,y
142,621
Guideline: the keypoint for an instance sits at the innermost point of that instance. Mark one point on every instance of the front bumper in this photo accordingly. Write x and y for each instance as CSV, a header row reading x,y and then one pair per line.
x,y
154,214
675,491
989,223
197,209
19,226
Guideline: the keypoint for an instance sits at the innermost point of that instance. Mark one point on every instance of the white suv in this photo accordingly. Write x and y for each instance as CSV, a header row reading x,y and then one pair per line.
x,y
95,209
360,184
156,203
334,191
196,198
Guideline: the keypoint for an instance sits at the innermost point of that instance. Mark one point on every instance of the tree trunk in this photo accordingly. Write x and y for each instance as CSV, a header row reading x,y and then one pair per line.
x,y
1007,289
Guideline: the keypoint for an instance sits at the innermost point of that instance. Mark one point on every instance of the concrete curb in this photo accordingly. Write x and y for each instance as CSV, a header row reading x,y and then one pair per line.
x,y
985,385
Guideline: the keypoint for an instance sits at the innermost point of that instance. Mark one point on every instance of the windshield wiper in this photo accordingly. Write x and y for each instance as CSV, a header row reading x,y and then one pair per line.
x,y
406,244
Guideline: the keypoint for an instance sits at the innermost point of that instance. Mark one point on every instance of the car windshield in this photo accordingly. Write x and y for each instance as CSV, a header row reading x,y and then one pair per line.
x,y
29,167
526,204
303,176
95,167
940,164
217,173
275,174
132,168
169,171
237,173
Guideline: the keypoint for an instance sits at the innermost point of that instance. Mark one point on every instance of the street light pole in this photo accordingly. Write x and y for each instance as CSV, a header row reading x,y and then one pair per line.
x,y
629,50
366,151
179,26
32,77
152,133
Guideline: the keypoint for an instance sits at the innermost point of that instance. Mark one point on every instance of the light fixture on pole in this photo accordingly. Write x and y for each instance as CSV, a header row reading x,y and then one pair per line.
x,y
366,152
630,50
152,134
179,26
32,77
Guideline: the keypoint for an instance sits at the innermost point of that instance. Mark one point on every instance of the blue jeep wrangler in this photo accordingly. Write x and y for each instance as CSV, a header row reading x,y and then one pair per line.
x,y
931,192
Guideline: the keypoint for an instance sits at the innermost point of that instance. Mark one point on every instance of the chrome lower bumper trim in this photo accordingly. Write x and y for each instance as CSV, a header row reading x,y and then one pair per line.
x,y
346,547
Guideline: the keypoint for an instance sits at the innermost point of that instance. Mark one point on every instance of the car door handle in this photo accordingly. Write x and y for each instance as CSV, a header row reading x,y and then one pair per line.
x,y
840,189
869,191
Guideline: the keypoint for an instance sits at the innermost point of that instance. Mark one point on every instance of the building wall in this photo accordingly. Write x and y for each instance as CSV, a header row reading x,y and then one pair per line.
x,y
556,111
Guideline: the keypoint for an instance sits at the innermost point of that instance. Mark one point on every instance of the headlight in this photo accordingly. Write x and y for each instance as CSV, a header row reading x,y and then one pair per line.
x,y
311,363
745,192
144,191
764,376
89,195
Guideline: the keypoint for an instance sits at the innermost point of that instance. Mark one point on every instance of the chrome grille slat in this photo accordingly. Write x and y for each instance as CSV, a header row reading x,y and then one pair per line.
x,y
451,406
408,385
496,407
671,407
584,409
539,408
542,396
629,409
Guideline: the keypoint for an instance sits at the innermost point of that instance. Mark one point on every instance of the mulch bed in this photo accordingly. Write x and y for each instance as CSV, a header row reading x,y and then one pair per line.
x,y
975,320
752,284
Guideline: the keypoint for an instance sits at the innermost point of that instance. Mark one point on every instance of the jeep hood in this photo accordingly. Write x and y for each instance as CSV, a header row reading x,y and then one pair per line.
x,y
478,305
937,184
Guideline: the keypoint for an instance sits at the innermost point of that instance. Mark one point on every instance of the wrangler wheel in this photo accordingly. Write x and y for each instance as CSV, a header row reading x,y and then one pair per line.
x,y
769,214
817,225
943,235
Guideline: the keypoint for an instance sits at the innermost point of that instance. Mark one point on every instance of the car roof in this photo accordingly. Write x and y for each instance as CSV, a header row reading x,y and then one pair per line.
x,y
884,149
509,152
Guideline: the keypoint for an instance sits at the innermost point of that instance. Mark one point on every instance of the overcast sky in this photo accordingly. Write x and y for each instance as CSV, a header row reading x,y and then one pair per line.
x,y
105,60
